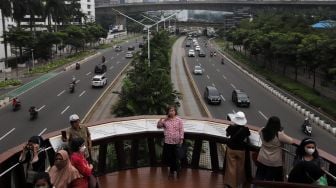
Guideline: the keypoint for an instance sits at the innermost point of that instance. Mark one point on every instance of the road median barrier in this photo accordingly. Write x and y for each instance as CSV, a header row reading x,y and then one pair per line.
x,y
94,107
204,110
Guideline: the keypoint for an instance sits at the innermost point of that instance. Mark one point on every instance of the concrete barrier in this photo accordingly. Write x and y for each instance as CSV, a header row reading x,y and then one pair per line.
x,y
321,123
298,108
333,131
316,119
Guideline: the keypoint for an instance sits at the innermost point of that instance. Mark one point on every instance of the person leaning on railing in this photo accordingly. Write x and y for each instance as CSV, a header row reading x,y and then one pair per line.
x,y
269,162
173,135
307,151
33,156
237,167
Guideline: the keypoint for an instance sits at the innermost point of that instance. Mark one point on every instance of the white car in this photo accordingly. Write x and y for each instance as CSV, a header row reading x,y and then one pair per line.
x,y
191,53
198,48
198,70
129,55
99,80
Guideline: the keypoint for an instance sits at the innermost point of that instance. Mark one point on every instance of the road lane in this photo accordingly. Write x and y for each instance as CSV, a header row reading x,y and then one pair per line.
x,y
264,104
55,101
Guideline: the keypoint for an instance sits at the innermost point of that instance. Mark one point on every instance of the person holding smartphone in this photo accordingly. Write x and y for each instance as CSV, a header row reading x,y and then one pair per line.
x,y
173,135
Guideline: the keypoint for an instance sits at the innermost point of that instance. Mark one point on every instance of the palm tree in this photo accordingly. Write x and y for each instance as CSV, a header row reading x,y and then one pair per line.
x,y
33,8
55,10
5,7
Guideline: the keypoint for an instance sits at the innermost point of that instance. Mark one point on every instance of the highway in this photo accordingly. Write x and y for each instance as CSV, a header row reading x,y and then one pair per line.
x,y
263,104
55,102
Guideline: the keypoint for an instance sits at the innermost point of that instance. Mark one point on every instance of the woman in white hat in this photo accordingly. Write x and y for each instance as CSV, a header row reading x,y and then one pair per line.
x,y
237,166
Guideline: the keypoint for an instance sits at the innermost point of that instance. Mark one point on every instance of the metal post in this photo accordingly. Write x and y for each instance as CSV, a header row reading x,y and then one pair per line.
x,y
33,57
149,64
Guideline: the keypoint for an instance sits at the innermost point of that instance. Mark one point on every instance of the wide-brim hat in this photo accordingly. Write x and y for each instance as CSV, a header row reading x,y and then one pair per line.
x,y
238,118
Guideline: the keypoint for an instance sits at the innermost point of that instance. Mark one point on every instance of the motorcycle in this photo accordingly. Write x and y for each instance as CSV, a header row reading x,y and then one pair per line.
x,y
72,88
222,61
214,53
77,66
33,113
17,106
307,127
211,54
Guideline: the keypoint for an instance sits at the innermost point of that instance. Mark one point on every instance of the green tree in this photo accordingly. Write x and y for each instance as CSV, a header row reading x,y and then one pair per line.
x,y
54,10
75,37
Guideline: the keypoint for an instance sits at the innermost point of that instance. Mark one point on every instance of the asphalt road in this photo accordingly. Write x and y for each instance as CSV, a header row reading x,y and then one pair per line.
x,y
263,104
55,102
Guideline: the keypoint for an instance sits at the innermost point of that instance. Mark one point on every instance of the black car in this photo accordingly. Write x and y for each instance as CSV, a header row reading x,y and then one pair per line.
x,y
240,98
211,95
188,44
141,45
201,54
131,48
100,69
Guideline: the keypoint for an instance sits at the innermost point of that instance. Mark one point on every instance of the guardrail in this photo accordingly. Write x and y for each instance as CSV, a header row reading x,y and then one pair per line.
x,y
143,147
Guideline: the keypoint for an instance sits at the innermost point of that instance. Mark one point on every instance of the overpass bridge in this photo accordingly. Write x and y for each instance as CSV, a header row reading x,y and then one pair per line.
x,y
240,8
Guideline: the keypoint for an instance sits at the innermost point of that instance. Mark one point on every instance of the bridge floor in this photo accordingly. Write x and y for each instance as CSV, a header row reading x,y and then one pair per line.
x,y
155,177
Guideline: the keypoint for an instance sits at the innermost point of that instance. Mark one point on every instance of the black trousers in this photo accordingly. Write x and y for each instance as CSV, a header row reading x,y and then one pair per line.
x,y
169,156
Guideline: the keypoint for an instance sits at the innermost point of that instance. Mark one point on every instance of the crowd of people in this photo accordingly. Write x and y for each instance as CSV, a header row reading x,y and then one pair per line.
x,y
72,169
237,168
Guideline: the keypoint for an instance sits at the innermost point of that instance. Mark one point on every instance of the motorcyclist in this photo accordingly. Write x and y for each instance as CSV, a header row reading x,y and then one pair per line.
x,y
103,59
77,66
73,80
223,61
72,87
306,127
211,54
15,102
33,112
214,53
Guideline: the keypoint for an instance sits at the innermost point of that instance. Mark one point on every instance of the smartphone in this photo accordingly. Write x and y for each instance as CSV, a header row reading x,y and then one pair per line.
x,y
64,136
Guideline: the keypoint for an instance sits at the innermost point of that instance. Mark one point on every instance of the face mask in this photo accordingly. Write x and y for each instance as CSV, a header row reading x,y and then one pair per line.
x,y
82,149
310,151
60,164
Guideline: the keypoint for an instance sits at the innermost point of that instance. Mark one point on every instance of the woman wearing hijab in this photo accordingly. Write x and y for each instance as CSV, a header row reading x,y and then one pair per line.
x,y
62,174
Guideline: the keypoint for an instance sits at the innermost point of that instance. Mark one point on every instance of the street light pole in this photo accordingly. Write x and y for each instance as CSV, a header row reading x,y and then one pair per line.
x,y
157,25
147,27
32,57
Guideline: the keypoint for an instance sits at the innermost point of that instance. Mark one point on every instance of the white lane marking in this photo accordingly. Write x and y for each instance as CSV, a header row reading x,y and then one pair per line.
x,y
117,53
234,87
217,70
213,65
112,58
41,108
213,85
82,93
7,134
44,130
196,59
118,62
60,93
77,81
263,115
111,67
87,74
199,64
224,77
208,77
65,109
222,97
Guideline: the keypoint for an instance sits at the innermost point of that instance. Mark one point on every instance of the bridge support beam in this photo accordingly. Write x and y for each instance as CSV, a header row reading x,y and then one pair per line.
x,y
120,20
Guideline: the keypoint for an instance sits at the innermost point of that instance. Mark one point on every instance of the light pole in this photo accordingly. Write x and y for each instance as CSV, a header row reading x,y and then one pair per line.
x,y
157,25
147,27
32,52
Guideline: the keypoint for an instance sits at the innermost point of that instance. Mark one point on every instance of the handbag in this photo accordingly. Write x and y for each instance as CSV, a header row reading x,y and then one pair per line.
x,y
30,177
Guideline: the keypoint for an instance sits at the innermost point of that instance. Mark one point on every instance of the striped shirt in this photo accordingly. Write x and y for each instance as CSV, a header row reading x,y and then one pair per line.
x,y
173,130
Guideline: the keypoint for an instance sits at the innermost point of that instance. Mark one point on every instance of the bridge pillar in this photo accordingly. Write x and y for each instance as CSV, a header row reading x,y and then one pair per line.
x,y
120,20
